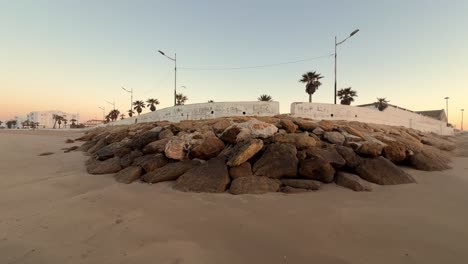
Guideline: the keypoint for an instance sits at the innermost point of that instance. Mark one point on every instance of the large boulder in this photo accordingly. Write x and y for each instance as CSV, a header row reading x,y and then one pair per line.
x,y
353,182
117,134
278,161
117,149
128,175
302,184
306,125
438,142
244,151
327,125
288,125
170,172
177,148
254,185
329,154
255,129
156,162
143,139
229,135
211,176
334,137
221,125
243,170
99,145
209,148
157,146
430,159
300,140
316,168
348,154
370,149
128,159
395,151
382,171
104,167
166,133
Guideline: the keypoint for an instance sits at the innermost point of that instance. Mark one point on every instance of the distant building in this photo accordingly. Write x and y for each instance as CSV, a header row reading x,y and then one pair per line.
x,y
436,114
93,123
46,120
19,120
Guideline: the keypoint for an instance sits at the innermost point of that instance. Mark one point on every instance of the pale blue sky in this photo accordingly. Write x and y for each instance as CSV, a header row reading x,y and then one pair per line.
x,y
73,55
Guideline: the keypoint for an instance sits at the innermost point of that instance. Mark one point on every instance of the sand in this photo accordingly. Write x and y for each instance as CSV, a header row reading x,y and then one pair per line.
x,y
52,211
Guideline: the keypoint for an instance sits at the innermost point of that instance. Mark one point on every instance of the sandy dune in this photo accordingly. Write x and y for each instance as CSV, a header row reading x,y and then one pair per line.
x,y
52,211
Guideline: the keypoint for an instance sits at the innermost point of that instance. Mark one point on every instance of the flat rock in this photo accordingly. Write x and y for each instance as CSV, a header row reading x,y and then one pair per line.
x,y
292,190
209,148
104,167
255,129
243,170
157,146
327,125
316,168
278,161
299,140
334,137
353,182
254,185
211,176
329,154
302,184
244,151
438,142
382,171
128,175
143,139
115,149
158,161
348,154
288,125
430,159
170,172
306,125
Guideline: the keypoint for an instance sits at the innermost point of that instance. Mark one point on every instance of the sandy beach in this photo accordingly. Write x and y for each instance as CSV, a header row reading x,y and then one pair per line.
x,y
52,211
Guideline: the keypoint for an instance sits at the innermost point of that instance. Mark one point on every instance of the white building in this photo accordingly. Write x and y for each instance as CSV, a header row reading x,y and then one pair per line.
x,y
19,120
46,120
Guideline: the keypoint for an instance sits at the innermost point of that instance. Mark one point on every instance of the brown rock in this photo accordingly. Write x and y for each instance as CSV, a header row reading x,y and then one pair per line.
x,y
176,148
317,168
221,125
440,143
117,134
115,149
430,159
68,141
348,154
230,135
300,140
211,176
127,160
305,125
170,172
370,149
99,145
327,125
128,175
278,161
394,151
243,170
334,137
209,148
70,149
292,190
353,182
166,133
104,167
382,171
158,161
318,131
244,151
143,139
302,184
329,154
288,125
86,146
157,146
353,132
254,185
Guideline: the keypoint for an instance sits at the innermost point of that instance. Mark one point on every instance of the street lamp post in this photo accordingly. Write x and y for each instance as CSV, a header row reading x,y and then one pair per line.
x,y
131,96
175,72
336,45
463,110
446,108
103,112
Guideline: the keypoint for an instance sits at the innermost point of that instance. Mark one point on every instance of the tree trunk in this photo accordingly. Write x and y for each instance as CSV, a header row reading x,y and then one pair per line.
x,y
310,98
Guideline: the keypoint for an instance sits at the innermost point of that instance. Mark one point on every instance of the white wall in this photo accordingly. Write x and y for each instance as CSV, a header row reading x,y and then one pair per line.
x,y
390,116
205,111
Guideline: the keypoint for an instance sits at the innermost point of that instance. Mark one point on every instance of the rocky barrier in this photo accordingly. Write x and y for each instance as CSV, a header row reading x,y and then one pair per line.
x,y
264,154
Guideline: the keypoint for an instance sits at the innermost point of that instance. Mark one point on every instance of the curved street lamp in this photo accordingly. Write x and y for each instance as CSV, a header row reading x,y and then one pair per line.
x,y
336,45
175,72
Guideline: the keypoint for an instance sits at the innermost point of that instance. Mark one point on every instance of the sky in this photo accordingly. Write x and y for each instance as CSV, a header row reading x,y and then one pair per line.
x,y
75,55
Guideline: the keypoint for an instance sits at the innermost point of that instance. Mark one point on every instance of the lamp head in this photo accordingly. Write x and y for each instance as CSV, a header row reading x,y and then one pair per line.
x,y
354,32
161,52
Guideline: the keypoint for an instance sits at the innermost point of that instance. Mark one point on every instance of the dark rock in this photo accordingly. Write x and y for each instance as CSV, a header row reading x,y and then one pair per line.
x,y
211,176
104,167
87,145
254,185
244,151
115,149
70,149
278,161
353,182
318,131
348,154
430,159
382,171
334,137
302,184
221,125
128,175
157,146
46,154
288,125
116,134
440,143
316,168
170,172
230,135
243,170
99,145
329,154
68,141
166,133
291,190
139,161
127,160
158,161
300,140
209,148
143,139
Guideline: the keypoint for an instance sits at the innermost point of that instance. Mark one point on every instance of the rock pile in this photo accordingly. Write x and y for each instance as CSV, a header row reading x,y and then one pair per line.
x,y
265,154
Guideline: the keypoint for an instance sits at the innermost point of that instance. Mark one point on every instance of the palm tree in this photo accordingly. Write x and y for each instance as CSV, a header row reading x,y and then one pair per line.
x,y
73,122
381,104
138,106
65,121
130,112
122,116
152,104
114,114
210,101
59,120
347,95
55,118
265,98
181,99
311,79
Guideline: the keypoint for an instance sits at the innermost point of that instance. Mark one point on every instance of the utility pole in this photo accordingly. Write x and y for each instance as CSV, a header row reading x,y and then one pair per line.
x,y
336,45
131,96
446,108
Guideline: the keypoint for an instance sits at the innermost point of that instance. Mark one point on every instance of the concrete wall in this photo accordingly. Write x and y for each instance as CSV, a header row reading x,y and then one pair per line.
x,y
390,116
205,111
